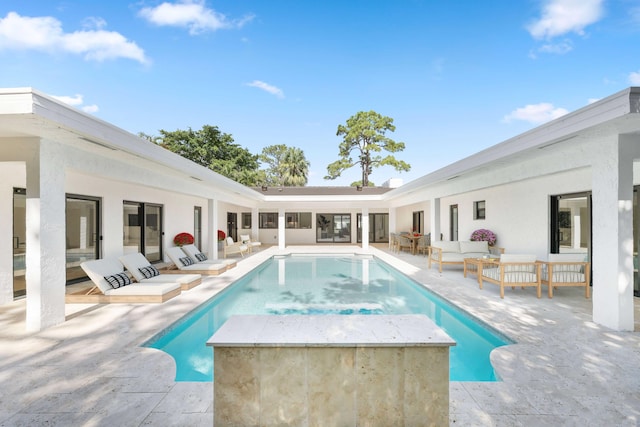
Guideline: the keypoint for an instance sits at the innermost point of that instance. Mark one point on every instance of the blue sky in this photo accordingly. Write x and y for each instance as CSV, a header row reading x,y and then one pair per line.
x,y
456,76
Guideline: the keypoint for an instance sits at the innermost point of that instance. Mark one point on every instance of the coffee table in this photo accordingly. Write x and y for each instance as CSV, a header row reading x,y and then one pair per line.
x,y
471,266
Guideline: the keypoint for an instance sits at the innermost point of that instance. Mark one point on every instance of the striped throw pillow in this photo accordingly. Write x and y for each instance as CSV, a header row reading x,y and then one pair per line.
x,y
149,271
118,280
186,261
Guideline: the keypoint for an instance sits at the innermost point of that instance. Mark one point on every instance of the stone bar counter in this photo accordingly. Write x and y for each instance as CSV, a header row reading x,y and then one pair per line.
x,y
331,370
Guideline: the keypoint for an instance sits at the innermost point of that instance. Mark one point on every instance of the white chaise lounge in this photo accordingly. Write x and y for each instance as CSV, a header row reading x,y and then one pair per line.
x,y
185,264
142,270
113,285
200,258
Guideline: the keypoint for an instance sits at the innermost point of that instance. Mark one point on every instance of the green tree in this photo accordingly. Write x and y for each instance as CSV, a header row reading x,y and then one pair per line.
x,y
213,149
286,166
365,133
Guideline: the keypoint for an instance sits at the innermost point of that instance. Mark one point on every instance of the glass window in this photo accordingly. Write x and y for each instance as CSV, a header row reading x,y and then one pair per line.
x,y
246,220
268,220
479,210
298,220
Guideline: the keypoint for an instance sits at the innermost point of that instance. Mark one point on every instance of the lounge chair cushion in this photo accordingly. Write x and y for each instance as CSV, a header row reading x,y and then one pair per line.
x,y
98,269
118,280
149,271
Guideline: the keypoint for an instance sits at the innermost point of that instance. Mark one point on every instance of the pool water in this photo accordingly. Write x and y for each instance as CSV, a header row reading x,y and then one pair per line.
x,y
357,284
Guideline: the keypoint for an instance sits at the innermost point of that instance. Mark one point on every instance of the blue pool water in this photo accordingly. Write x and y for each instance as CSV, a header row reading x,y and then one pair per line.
x,y
326,285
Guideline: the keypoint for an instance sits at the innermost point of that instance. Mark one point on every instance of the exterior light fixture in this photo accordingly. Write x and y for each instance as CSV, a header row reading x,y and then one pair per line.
x,y
264,188
359,188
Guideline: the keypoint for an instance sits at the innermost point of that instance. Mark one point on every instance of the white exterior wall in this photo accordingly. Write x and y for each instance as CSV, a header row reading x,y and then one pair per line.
x,y
177,209
518,213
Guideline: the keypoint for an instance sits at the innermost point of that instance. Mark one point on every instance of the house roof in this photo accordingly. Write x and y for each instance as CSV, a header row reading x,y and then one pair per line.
x,y
321,191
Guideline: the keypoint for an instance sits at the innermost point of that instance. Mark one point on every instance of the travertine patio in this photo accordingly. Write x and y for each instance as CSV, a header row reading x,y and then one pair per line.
x,y
91,371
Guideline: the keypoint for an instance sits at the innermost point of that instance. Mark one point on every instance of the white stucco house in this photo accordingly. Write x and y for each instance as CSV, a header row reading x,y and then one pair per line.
x,y
73,187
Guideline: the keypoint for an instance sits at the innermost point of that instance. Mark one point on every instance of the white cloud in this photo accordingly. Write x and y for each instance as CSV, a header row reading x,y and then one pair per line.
x,y
76,101
634,78
46,34
564,16
535,113
267,88
191,14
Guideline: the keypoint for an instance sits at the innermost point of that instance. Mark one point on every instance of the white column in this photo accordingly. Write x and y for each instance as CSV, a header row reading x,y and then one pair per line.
x,y
435,219
45,255
212,224
255,225
392,220
613,233
365,228
281,229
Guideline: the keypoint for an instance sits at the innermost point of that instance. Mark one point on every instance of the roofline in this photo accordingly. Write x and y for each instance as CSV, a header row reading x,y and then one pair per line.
x,y
557,131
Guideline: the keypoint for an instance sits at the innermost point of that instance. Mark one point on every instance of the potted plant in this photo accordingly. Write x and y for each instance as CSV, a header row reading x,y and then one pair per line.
x,y
182,239
484,235
221,236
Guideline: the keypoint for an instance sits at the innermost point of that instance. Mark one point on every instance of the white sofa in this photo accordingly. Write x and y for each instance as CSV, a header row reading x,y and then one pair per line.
x,y
454,252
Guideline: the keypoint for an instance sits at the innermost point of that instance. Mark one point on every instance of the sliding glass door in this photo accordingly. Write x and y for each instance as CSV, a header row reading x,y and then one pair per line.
x,y
333,228
378,228
82,229
19,241
142,229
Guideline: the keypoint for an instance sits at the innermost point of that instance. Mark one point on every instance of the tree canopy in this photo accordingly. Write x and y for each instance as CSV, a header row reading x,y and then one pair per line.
x,y
365,133
213,149
286,166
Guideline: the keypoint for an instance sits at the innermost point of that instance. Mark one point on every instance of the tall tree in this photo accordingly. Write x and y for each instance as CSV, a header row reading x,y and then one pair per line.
x,y
286,166
213,149
365,133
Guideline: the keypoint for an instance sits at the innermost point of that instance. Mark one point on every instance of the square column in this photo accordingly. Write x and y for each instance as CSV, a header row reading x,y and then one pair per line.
x,y
613,232
45,255
212,224
365,228
434,213
281,228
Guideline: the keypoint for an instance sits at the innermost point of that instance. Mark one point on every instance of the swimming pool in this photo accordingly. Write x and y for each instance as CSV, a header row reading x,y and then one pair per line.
x,y
303,284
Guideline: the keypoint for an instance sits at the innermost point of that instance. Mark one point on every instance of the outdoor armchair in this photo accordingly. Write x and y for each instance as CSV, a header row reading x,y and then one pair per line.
x,y
511,270
568,269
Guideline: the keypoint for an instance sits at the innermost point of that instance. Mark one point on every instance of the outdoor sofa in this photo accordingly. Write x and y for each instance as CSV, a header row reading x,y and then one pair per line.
x,y
454,252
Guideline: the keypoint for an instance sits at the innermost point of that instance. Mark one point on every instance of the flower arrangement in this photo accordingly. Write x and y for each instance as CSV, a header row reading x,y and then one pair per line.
x,y
182,239
221,235
484,235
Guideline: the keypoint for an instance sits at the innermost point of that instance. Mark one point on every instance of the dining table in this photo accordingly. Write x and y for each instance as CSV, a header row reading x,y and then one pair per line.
x,y
414,237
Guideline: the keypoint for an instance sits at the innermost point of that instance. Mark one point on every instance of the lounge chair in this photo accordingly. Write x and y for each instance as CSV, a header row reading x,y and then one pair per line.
x,y
185,264
200,258
142,270
245,239
567,269
511,270
113,285
232,247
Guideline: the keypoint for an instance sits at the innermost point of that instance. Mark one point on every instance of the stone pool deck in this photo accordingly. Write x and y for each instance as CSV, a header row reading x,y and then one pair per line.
x,y
91,371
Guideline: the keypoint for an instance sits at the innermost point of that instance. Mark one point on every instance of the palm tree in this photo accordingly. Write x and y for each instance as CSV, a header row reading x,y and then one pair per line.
x,y
295,168
286,166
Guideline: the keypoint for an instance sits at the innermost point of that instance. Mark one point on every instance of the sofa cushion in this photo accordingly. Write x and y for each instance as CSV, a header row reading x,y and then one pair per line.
x,y
568,257
447,246
481,247
453,257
